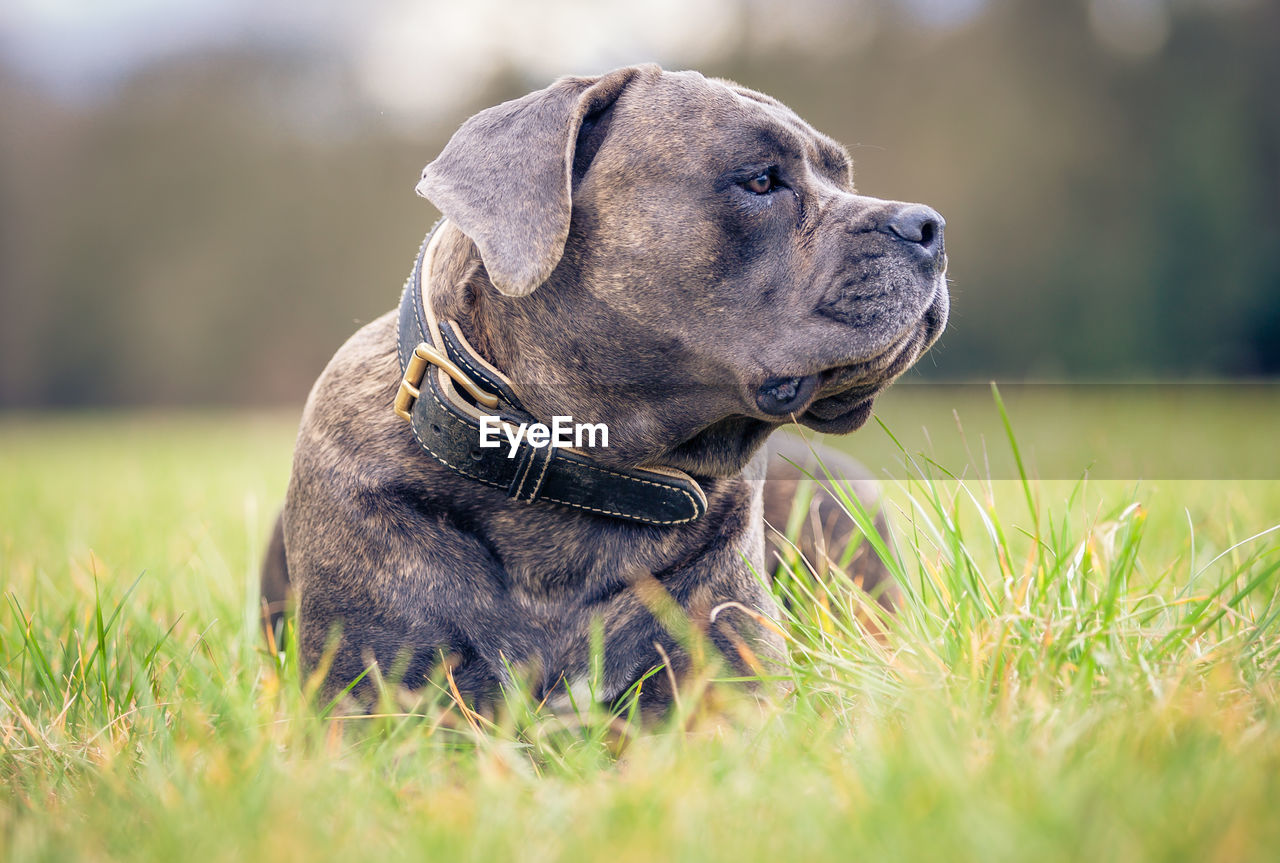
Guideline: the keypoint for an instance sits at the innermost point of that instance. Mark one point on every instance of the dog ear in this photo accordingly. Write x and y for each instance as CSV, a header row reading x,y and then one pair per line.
x,y
506,176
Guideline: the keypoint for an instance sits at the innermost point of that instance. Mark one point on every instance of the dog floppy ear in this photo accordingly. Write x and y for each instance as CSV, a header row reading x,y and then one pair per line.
x,y
506,176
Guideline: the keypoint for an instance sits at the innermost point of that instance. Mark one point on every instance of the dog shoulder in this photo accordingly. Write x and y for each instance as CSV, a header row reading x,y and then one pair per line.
x,y
348,417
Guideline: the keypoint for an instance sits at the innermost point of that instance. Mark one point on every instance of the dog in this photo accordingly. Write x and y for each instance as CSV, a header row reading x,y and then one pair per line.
x,y
675,263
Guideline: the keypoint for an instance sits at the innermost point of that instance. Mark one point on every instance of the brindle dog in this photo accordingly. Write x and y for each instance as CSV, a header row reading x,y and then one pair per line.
x,y
680,258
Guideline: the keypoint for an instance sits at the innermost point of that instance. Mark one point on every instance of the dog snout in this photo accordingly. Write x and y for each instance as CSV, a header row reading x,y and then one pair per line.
x,y
920,226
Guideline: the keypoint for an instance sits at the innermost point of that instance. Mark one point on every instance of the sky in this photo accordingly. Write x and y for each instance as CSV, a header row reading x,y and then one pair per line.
x,y
418,57
414,59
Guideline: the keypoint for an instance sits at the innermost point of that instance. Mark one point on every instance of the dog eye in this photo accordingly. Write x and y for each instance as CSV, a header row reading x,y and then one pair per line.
x,y
762,184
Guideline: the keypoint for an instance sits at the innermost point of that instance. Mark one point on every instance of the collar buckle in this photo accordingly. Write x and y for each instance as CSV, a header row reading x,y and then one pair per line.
x,y
425,355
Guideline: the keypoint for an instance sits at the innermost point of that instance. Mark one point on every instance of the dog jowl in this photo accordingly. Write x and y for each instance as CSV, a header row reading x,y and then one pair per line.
x,y
679,260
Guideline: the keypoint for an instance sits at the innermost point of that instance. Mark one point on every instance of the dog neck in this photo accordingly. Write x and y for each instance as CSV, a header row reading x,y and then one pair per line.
x,y
513,334
456,284
455,400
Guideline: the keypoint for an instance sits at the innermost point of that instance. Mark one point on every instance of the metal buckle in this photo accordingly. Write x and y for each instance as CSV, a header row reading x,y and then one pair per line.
x,y
423,356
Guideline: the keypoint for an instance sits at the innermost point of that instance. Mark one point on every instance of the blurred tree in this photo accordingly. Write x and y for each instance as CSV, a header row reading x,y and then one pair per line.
x,y
213,229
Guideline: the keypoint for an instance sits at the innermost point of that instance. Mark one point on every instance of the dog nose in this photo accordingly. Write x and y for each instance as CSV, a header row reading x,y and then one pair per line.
x,y
918,224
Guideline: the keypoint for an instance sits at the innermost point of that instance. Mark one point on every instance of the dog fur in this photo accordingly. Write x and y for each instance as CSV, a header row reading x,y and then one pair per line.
x,y
607,246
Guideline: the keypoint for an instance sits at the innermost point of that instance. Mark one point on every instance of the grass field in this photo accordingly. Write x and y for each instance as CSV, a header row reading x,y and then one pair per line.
x,y
1084,669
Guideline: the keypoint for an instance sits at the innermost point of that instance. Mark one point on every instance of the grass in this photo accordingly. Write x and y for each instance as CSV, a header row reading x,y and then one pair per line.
x,y
1082,669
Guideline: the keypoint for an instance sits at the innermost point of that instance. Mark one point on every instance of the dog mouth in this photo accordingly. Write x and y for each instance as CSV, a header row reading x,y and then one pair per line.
x,y
836,400
844,398
847,403
787,397
846,409
836,388
839,399
842,413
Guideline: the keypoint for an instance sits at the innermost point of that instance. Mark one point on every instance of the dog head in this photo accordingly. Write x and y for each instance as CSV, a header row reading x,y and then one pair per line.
x,y
687,261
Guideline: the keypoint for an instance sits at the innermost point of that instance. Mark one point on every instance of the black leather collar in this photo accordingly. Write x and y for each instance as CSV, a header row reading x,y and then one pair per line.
x,y
447,387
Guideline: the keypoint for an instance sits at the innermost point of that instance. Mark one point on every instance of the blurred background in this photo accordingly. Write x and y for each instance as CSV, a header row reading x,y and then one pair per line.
x,y
200,200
